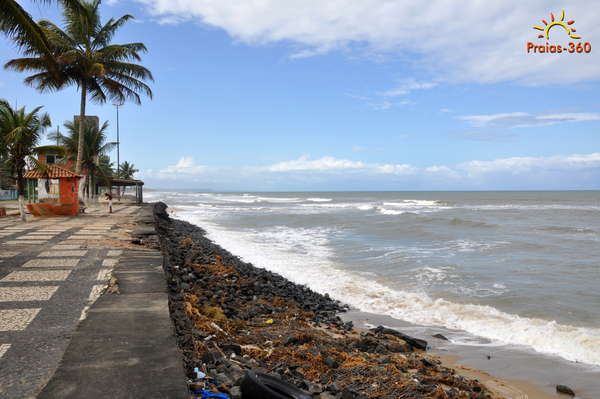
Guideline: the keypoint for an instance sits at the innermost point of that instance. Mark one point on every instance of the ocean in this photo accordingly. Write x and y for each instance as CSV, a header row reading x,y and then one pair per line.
x,y
515,269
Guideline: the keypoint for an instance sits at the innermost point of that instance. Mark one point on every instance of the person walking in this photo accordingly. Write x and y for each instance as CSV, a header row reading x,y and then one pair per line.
x,y
109,198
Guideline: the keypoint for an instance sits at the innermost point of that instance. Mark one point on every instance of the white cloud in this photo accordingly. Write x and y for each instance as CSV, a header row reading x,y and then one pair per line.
x,y
474,41
521,165
561,171
322,164
524,119
185,166
331,164
407,86
400,169
379,104
395,92
385,105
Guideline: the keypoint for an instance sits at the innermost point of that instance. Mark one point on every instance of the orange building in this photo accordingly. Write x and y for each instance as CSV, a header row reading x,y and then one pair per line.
x,y
67,201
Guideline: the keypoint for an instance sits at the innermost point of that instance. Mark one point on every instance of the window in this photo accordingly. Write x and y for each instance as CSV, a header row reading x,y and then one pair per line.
x,y
53,159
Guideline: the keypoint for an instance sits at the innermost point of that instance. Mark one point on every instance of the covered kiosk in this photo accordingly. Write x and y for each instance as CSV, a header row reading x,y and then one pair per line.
x,y
65,202
138,184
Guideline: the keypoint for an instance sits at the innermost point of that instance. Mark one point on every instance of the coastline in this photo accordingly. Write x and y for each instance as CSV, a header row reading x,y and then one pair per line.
x,y
185,320
511,373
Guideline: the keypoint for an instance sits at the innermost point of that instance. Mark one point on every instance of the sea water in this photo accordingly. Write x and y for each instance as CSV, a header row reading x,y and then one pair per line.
x,y
498,268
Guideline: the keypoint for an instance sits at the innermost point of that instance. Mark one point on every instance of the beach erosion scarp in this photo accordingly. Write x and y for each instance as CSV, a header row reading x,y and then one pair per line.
x,y
231,317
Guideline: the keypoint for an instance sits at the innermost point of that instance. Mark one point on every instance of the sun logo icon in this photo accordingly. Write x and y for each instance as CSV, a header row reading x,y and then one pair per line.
x,y
560,22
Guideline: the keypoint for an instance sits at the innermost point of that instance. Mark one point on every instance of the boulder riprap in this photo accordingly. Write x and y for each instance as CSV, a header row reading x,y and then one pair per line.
x,y
230,317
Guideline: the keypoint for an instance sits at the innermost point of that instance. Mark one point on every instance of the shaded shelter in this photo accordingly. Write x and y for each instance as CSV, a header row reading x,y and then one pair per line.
x,y
138,184
63,203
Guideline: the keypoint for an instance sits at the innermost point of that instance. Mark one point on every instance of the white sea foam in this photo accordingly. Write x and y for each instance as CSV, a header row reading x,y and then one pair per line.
x,y
536,207
319,199
304,256
413,203
385,211
363,206
278,199
428,275
244,199
412,206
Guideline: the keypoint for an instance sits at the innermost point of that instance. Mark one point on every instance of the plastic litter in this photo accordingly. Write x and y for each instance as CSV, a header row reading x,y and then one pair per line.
x,y
206,394
199,374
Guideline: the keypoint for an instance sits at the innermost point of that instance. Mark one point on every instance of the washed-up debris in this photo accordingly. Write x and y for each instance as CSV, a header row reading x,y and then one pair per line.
x,y
565,390
234,320
206,394
264,386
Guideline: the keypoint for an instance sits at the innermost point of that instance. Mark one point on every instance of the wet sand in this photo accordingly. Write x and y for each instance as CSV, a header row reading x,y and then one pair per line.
x,y
511,389
510,371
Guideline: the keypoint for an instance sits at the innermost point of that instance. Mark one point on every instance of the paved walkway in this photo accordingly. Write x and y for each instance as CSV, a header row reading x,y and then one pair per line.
x,y
125,348
51,271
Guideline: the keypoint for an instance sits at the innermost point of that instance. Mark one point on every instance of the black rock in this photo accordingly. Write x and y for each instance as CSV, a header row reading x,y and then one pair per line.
x,y
414,342
440,336
331,363
370,345
333,388
314,388
352,394
232,348
565,390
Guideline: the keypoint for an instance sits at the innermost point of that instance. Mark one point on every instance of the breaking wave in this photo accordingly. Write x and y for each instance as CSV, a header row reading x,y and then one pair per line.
x,y
304,257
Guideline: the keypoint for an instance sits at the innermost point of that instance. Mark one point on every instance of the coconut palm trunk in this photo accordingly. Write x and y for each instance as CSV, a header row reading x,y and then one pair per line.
x,y
81,125
85,55
21,192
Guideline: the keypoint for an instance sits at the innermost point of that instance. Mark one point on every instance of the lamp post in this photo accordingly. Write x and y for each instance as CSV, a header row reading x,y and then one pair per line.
x,y
118,142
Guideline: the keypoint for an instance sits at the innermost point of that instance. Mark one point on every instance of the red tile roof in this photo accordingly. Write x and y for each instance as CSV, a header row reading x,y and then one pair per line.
x,y
52,172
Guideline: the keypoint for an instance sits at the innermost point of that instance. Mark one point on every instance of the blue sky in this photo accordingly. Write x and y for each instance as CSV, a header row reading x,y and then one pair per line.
x,y
341,95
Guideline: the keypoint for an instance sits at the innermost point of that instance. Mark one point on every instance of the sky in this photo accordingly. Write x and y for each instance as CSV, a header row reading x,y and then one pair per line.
x,y
319,95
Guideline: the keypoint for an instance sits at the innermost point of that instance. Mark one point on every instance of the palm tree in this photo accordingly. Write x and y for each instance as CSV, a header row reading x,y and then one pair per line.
x,y
127,171
107,168
15,21
86,57
20,133
93,149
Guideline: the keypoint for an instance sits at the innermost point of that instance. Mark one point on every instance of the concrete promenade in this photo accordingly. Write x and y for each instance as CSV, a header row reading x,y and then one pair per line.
x,y
52,272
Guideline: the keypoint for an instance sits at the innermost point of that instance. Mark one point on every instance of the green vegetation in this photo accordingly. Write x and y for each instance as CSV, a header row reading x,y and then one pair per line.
x,y
20,134
17,23
127,170
81,52
87,58
94,146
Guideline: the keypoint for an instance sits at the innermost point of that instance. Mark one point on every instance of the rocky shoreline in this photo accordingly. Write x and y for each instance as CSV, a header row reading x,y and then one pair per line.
x,y
231,317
